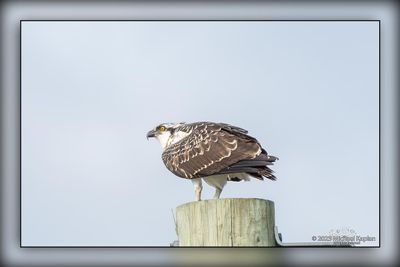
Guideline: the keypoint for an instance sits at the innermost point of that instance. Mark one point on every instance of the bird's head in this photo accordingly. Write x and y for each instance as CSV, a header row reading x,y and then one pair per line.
x,y
164,129
163,132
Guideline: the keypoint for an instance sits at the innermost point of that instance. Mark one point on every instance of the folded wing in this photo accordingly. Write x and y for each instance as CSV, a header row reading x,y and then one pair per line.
x,y
213,148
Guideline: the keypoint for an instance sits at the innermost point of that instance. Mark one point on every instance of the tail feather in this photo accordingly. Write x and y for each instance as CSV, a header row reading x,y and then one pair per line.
x,y
256,167
267,173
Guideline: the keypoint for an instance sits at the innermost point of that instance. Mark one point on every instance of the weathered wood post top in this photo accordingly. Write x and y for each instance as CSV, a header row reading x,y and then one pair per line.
x,y
226,222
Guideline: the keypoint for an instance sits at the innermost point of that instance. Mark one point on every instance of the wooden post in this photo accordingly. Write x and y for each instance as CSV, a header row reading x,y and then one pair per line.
x,y
226,222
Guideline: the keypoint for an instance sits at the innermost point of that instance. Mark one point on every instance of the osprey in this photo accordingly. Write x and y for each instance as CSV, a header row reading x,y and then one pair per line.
x,y
215,152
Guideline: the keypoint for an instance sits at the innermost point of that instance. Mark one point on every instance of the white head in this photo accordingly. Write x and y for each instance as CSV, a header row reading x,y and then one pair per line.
x,y
165,133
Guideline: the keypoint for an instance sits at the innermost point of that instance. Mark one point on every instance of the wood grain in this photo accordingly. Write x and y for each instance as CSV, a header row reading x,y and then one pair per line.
x,y
226,222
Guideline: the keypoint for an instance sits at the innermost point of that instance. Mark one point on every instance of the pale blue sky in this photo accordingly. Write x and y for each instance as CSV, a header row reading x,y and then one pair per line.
x,y
308,91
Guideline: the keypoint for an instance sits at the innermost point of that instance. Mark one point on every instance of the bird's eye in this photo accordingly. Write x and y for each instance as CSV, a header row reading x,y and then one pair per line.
x,y
161,129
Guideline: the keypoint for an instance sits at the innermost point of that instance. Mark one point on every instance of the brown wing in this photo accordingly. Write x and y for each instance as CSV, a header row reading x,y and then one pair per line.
x,y
210,148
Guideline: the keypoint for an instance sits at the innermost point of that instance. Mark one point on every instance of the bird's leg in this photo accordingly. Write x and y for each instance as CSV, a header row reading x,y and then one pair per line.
x,y
197,192
197,188
217,192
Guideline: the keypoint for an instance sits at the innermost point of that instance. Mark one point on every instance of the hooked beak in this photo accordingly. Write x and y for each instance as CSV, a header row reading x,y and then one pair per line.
x,y
151,133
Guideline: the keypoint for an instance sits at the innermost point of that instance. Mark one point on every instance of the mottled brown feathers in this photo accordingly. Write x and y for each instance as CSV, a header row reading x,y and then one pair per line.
x,y
216,148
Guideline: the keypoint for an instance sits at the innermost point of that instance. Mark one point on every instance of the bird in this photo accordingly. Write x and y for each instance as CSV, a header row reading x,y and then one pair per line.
x,y
214,152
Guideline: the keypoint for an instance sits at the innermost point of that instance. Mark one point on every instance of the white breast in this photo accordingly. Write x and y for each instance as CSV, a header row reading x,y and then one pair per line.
x,y
166,139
